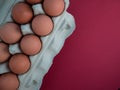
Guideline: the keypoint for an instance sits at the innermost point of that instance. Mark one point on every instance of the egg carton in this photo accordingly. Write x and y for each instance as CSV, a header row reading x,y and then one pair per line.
x,y
64,25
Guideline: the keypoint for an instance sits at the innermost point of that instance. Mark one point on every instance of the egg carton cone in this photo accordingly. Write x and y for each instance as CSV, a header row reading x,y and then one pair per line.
x,y
64,25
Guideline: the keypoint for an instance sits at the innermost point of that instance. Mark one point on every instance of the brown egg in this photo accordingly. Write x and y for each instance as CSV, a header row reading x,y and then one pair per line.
x,y
30,44
4,52
19,63
53,7
42,25
22,13
33,1
10,33
9,81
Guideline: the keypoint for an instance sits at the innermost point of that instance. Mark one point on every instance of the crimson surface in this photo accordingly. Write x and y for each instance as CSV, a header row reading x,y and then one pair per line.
x,y
90,58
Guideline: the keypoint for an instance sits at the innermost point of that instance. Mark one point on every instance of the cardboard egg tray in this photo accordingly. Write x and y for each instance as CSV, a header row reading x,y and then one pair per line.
x,y
64,25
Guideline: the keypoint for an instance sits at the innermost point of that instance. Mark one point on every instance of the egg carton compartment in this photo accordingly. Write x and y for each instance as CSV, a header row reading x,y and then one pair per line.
x,y
64,25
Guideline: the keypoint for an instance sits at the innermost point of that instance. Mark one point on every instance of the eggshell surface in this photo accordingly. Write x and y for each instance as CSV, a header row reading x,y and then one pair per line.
x,y
53,7
22,13
4,52
30,44
42,25
10,33
9,81
19,63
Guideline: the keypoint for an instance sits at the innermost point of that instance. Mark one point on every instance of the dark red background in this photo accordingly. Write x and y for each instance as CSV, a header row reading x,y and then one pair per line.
x,y
90,58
